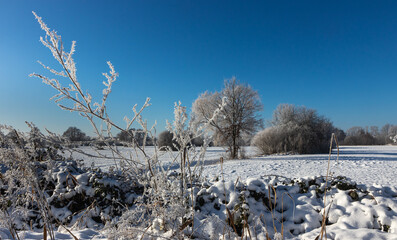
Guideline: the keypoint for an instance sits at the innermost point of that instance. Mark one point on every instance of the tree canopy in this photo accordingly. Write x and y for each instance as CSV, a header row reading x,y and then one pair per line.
x,y
239,117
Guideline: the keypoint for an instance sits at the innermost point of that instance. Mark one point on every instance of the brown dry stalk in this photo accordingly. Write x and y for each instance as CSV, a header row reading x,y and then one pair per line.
x,y
70,232
45,232
247,226
323,225
264,222
231,219
271,206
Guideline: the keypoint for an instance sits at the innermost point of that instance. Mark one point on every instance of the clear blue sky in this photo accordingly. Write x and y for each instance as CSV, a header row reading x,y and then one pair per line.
x,y
339,57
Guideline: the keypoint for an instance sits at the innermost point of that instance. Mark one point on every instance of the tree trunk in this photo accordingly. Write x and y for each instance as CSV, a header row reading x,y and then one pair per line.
x,y
234,150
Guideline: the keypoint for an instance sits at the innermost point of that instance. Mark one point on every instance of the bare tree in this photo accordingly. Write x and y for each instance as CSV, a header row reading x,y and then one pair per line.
x,y
165,141
74,134
370,135
355,131
384,133
136,136
359,136
374,131
240,115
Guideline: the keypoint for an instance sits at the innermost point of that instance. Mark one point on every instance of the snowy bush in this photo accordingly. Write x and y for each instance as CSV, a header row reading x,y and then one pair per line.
x,y
268,141
199,141
168,196
23,200
74,134
135,135
165,140
370,135
359,136
394,139
141,198
295,129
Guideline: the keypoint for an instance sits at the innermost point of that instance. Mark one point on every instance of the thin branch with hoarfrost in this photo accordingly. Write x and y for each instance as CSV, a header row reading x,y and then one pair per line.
x,y
168,198
81,101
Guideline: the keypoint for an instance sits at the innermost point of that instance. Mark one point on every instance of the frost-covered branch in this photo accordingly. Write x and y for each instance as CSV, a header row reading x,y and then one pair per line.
x,y
81,101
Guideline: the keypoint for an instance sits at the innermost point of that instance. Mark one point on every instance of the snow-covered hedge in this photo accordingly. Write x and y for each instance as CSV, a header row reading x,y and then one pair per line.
x,y
270,206
144,199
75,196
258,208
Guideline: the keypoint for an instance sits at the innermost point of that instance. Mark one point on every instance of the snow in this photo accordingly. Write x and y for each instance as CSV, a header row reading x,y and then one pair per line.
x,y
60,234
373,168
212,156
364,164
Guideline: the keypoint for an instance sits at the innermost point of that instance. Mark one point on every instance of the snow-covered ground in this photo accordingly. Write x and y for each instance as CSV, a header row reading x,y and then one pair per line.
x,y
211,156
366,211
363,164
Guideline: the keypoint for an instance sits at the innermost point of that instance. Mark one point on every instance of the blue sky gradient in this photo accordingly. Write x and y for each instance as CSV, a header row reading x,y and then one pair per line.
x,y
337,57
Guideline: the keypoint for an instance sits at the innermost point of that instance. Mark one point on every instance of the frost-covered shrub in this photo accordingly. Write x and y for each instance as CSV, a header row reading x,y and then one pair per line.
x,y
165,141
394,139
361,139
388,132
22,194
370,135
295,129
167,204
138,135
40,188
168,196
199,141
74,134
358,136
269,141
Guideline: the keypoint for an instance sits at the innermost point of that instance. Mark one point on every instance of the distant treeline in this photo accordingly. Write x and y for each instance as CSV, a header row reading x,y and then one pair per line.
x,y
297,129
370,135
294,129
133,136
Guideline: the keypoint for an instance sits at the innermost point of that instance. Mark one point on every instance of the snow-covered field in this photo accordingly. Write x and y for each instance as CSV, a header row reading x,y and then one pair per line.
x,y
364,211
363,164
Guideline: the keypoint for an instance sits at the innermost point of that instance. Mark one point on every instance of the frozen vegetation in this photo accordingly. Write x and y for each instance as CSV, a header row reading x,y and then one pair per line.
x,y
363,164
51,191
278,194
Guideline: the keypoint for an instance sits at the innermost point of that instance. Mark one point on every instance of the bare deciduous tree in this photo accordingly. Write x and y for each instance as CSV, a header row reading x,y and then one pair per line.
x,y
136,136
359,136
165,141
355,131
371,135
239,116
74,134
